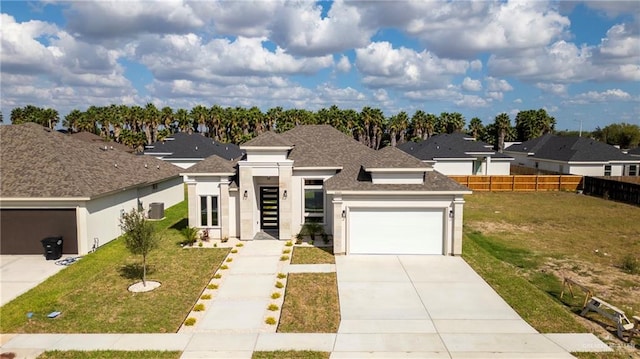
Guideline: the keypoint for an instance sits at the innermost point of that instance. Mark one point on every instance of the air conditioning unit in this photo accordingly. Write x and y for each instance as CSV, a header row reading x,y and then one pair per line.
x,y
156,210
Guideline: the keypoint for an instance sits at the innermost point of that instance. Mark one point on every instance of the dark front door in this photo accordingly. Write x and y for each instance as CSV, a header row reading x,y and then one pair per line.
x,y
269,209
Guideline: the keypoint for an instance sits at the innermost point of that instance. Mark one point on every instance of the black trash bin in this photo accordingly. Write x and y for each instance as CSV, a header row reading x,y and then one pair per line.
x,y
52,247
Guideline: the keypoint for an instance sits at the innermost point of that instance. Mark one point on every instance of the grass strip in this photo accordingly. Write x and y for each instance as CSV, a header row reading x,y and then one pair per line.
x,y
313,255
92,293
533,305
310,304
110,354
291,354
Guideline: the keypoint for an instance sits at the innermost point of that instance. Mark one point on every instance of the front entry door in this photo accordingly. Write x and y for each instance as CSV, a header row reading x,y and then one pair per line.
x,y
269,209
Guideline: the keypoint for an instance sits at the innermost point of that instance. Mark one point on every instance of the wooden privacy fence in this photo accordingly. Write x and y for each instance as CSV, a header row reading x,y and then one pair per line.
x,y
520,183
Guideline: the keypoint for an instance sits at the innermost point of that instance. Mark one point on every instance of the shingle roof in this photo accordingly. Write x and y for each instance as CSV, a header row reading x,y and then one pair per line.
x,y
391,157
36,162
569,149
213,164
635,151
268,139
99,141
455,145
193,145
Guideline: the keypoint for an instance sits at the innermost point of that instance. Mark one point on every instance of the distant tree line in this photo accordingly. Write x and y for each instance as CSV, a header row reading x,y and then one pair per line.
x,y
136,126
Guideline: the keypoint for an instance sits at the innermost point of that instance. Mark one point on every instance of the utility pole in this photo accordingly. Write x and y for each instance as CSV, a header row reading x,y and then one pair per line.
x,y
580,132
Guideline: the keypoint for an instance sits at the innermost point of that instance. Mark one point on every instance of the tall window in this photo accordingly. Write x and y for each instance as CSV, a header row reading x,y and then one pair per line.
x,y
633,170
208,211
313,201
607,170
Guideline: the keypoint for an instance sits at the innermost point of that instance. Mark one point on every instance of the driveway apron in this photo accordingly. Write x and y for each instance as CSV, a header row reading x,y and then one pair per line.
x,y
432,306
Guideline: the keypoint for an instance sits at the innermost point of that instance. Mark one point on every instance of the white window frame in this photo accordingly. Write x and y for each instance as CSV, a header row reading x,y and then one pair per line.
x,y
633,170
210,200
607,168
305,187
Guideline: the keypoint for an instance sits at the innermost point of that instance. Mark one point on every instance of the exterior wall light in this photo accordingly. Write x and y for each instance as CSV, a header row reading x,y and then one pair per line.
x,y
284,194
344,214
245,195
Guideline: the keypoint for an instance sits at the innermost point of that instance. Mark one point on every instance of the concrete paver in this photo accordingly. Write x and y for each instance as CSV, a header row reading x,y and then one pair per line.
x,y
386,326
483,326
234,315
393,300
500,343
390,355
222,342
407,342
20,273
166,341
86,342
295,341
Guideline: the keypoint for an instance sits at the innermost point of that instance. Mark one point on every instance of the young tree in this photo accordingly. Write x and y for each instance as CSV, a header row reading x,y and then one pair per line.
x,y
139,237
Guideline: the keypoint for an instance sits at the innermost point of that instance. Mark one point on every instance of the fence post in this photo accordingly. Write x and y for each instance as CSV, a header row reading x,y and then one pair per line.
x,y
513,183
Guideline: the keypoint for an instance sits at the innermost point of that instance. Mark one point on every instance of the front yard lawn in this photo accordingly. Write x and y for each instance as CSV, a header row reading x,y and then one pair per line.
x,y
310,304
92,293
313,255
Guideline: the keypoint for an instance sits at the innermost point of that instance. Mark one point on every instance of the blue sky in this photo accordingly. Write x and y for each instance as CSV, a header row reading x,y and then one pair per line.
x,y
578,60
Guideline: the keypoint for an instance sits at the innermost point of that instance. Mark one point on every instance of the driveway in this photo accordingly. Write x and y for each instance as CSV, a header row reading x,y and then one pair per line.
x,y
19,273
432,306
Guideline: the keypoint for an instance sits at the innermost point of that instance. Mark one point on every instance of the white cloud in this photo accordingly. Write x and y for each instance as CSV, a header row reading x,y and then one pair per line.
x,y
518,100
381,95
494,84
555,89
471,85
620,45
475,65
495,95
471,101
594,96
382,65
343,65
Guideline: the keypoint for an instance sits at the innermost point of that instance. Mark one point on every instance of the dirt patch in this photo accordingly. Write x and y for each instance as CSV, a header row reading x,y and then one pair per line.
x,y
499,227
608,283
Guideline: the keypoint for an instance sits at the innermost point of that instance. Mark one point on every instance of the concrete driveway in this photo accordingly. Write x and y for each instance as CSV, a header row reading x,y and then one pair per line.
x,y
432,306
20,273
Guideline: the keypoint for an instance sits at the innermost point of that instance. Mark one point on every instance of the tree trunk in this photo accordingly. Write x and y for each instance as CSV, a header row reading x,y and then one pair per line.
x,y
393,138
144,271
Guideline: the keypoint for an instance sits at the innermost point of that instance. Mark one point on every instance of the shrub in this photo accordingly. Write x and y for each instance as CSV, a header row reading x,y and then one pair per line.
x,y
217,276
630,264
190,321
234,251
273,307
312,229
229,260
212,286
289,244
198,307
224,239
200,244
286,251
299,237
215,245
279,284
282,276
284,258
190,235
205,297
224,266
239,245
271,321
275,295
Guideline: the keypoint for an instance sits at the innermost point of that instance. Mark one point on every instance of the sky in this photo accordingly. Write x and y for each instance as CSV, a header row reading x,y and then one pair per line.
x,y
579,60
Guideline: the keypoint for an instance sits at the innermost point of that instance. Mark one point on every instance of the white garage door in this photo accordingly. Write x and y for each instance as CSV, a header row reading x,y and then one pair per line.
x,y
395,231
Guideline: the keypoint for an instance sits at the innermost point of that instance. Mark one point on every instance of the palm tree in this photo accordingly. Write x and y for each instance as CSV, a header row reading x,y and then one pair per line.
x,y
502,125
167,118
199,114
476,128
184,120
397,127
72,120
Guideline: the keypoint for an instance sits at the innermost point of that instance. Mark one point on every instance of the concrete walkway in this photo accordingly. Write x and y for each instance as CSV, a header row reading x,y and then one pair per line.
x,y
391,307
20,273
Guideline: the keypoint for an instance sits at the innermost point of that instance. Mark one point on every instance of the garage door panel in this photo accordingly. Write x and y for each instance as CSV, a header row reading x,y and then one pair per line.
x,y
21,230
395,231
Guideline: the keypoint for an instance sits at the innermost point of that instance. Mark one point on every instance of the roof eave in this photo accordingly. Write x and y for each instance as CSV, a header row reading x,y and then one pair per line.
x,y
202,174
397,170
266,148
390,193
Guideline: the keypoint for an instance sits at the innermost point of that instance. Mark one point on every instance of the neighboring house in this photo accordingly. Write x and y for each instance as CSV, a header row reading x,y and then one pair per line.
x,y
186,149
573,155
55,185
459,154
373,202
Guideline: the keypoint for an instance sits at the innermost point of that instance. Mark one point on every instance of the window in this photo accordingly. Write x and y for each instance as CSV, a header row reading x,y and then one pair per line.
x,y
607,170
313,201
633,170
208,211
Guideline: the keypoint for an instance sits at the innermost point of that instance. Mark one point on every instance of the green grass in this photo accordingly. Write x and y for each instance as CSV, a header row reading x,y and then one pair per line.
x,y
312,255
109,354
310,304
531,303
291,354
92,293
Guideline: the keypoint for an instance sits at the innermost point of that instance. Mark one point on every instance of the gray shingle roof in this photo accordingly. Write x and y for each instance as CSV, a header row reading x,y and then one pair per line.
x,y
635,151
36,162
392,157
455,145
569,149
99,141
213,164
193,145
268,139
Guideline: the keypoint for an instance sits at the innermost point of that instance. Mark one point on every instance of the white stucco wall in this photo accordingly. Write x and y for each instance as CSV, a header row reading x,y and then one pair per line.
x,y
454,167
103,217
170,192
397,178
499,168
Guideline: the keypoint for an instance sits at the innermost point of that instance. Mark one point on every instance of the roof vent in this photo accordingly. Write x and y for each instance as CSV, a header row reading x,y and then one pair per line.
x,y
145,165
196,148
115,165
158,166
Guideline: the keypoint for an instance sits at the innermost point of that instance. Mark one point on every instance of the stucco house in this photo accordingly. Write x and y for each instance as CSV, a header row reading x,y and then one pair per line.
x,y
573,155
459,154
53,184
186,149
373,202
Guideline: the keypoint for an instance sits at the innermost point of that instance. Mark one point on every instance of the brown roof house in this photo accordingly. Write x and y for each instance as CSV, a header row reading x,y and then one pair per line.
x,y
369,202
52,184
